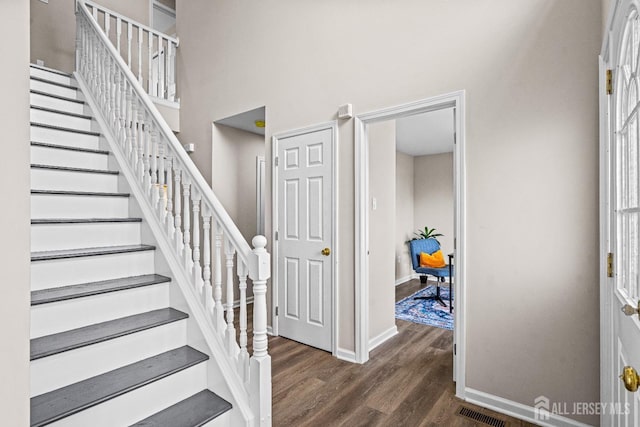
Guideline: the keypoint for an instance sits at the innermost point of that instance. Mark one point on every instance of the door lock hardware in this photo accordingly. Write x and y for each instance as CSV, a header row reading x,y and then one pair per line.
x,y
326,252
630,378
630,310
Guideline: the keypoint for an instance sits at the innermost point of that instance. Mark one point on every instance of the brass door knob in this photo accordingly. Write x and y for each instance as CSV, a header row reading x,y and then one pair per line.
x,y
326,252
630,378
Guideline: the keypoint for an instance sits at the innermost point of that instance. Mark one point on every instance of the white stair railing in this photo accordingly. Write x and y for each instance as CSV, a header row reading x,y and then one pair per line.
x,y
182,211
149,54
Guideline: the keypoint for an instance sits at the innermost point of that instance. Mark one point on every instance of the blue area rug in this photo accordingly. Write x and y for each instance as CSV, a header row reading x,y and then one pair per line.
x,y
426,312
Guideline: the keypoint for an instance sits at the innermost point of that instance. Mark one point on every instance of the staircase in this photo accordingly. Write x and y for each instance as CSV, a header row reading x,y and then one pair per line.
x,y
113,342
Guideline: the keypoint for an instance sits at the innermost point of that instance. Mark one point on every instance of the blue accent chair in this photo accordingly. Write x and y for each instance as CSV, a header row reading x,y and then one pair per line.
x,y
430,246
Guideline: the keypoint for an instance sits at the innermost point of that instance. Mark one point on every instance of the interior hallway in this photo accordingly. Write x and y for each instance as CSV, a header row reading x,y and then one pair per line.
x,y
407,382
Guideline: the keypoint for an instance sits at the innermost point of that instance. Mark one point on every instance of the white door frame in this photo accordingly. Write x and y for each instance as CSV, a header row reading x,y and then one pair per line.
x,y
606,319
333,126
457,101
607,60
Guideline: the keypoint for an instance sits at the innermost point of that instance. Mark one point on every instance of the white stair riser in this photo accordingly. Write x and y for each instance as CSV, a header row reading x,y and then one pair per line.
x,y
47,319
59,370
62,137
57,104
72,271
223,420
54,89
76,159
48,75
57,119
51,179
68,206
142,402
49,237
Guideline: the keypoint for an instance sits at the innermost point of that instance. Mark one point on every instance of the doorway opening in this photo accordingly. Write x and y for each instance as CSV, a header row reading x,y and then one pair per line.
x,y
238,171
366,203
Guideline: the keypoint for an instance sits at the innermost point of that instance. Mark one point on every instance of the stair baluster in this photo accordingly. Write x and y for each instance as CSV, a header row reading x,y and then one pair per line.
x,y
129,38
243,357
217,293
118,33
140,80
230,337
186,219
177,207
197,268
206,255
170,224
150,81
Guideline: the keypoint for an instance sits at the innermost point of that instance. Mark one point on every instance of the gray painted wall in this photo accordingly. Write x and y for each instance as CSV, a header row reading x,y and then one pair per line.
x,y
529,69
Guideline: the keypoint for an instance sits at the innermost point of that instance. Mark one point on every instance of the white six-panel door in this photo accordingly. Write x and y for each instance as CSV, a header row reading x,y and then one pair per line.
x,y
304,243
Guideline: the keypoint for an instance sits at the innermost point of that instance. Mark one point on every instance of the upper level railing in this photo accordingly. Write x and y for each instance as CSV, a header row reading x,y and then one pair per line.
x,y
198,238
149,54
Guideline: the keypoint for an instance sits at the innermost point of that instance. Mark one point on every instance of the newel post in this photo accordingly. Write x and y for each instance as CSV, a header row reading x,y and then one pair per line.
x,y
260,363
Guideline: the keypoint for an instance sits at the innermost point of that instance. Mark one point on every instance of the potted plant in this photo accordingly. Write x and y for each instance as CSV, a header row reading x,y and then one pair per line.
x,y
427,233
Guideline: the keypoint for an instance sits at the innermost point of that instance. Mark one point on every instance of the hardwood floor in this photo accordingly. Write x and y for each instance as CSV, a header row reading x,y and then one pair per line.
x,y
406,382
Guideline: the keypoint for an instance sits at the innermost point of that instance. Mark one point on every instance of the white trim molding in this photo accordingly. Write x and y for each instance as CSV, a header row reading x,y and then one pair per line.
x,y
405,279
454,100
382,337
346,355
333,126
517,410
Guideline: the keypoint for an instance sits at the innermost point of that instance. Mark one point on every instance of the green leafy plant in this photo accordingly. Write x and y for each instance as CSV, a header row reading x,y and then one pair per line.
x,y
428,233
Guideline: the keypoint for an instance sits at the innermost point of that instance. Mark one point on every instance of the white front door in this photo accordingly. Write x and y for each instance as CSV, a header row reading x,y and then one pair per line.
x,y
621,326
304,237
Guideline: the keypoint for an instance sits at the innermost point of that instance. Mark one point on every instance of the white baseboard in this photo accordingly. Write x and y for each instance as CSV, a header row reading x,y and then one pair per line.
x,y
346,355
405,279
380,338
270,330
517,410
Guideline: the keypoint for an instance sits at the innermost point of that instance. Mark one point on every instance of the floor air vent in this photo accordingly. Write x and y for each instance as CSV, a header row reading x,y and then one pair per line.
x,y
480,417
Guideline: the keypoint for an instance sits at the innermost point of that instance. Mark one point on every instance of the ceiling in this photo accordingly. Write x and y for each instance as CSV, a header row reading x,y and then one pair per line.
x,y
425,134
245,121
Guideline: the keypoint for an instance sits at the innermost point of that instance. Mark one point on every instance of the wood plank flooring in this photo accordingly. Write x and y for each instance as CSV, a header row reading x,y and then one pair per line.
x,y
406,382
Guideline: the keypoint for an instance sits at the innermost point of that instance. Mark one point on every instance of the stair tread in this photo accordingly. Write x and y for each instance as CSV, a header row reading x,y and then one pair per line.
x,y
63,293
79,193
56,111
63,98
193,411
51,82
75,338
68,147
81,220
58,404
51,70
73,169
65,129
86,252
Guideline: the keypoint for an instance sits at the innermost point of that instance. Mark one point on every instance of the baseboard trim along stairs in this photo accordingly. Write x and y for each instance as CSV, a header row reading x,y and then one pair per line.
x,y
113,342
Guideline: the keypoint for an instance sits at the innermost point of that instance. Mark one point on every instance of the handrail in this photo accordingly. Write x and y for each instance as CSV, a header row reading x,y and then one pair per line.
x,y
181,210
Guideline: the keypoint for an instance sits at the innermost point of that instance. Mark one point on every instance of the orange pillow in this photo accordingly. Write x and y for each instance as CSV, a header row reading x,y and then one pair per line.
x,y
435,260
